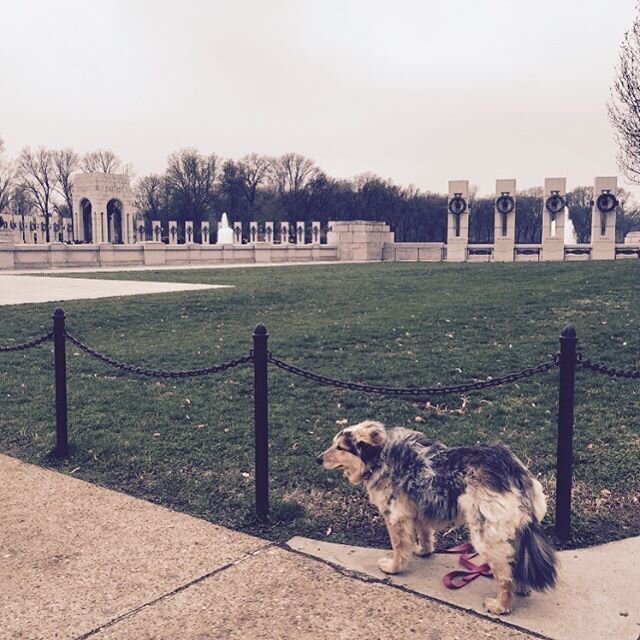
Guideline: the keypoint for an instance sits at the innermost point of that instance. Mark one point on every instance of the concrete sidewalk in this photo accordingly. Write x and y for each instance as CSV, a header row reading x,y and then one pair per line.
x,y
18,289
597,597
179,267
80,561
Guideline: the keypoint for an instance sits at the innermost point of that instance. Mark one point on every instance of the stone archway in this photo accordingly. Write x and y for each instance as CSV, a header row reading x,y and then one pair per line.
x,y
112,214
114,221
87,220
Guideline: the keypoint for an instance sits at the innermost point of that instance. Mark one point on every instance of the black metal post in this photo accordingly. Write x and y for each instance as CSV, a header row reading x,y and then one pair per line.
x,y
60,361
261,406
564,468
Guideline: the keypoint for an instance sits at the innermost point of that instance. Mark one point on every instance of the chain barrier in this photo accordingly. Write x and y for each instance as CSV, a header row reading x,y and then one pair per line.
x,y
27,345
416,391
612,372
158,373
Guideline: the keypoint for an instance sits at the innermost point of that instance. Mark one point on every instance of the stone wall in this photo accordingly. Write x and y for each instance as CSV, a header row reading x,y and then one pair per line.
x,y
58,256
414,251
359,240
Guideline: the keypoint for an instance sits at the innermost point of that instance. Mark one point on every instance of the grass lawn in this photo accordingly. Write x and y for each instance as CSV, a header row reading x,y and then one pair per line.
x,y
188,444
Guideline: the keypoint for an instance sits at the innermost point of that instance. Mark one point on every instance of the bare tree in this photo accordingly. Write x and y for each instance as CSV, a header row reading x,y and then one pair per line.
x,y
190,179
580,202
291,173
290,176
627,215
150,197
624,106
22,204
254,171
65,162
529,215
38,176
7,180
102,161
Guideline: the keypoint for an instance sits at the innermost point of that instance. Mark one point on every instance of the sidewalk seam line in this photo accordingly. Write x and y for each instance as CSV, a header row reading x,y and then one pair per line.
x,y
177,590
364,577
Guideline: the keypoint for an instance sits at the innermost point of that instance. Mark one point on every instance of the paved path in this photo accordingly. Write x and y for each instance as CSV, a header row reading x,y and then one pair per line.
x,y
182,267
597,597
80,561
19,289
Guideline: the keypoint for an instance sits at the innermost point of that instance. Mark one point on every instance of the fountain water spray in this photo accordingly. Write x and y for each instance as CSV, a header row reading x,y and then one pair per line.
x,y
225,232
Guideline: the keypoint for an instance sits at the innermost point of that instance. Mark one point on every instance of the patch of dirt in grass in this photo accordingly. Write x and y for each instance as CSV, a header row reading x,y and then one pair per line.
x,y
598,516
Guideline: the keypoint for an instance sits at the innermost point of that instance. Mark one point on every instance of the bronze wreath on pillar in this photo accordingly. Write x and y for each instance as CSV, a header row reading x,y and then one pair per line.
x,y
555,203
606,202
457,204
505,203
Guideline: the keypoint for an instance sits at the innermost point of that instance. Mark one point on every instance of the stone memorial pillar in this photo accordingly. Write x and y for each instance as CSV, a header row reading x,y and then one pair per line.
x,y
315,233
505,221
300,235
132,231
156,231
284,233
54,229
458,220
188,232
237,233
268,232
603,219
553,218
173,232
205,232
6,228
253,232
141,235
12,227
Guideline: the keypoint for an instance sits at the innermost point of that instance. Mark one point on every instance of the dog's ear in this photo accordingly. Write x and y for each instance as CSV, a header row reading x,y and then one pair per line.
x,y
369,452
377,436
370,438
370,432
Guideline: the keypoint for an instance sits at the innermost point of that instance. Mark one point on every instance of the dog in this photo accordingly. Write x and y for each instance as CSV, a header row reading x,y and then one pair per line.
x,y
420,486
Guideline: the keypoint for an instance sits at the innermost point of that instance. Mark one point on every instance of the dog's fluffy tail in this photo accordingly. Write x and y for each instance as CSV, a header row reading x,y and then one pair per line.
x,y
535,560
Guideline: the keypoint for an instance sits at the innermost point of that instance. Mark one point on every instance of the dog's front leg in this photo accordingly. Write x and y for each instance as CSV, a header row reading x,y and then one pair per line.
x,y
401,535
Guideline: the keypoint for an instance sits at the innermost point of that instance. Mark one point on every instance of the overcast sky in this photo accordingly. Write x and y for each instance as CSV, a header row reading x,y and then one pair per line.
x,y
421,92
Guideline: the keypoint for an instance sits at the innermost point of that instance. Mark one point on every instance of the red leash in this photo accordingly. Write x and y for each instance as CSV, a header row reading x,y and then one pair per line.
x,y
458,579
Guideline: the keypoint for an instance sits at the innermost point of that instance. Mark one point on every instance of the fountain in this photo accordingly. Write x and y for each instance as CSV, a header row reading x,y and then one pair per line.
x,y
225,232
570,237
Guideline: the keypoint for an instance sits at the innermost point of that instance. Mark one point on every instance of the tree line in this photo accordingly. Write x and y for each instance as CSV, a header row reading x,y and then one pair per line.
x,y
289,188
293,188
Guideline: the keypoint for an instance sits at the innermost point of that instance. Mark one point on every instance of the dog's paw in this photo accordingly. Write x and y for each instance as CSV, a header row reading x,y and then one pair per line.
x,y
388,565
422,550
492,605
